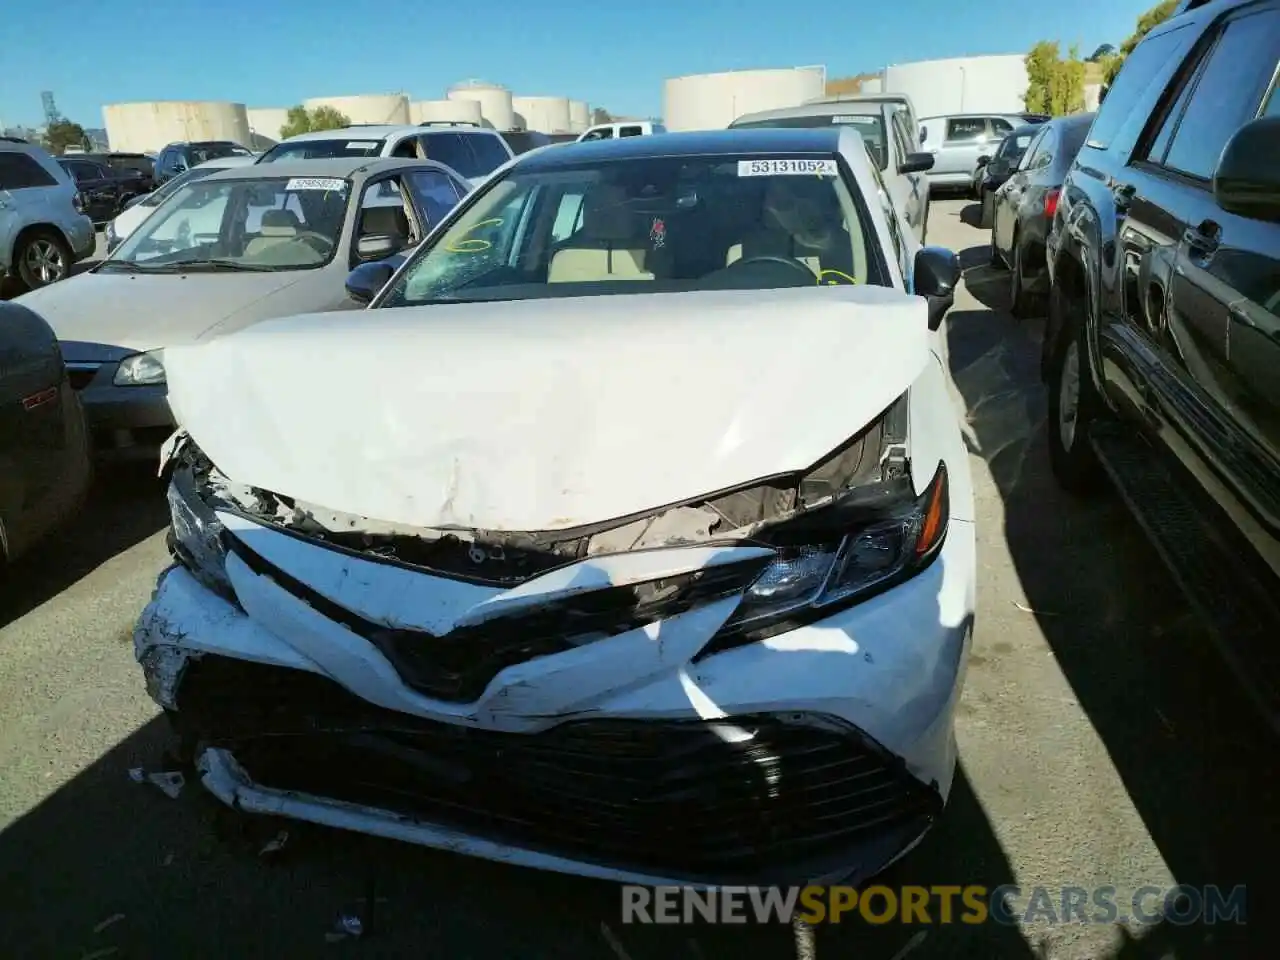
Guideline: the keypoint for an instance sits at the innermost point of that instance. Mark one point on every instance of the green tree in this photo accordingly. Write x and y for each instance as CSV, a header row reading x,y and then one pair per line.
x,y
1146,23
302,120
63,133
1054,86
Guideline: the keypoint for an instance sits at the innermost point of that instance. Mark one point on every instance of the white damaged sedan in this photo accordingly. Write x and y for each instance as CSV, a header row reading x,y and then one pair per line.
x,y
628,533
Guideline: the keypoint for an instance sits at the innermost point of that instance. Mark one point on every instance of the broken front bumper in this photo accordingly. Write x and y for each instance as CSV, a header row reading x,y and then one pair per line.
x,y
822,753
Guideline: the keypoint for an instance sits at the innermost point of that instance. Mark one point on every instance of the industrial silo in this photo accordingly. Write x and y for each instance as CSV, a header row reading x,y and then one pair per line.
x,y
495,102
370,108
711,101
148,126
264,126
542,114
994,84
445,111
579,116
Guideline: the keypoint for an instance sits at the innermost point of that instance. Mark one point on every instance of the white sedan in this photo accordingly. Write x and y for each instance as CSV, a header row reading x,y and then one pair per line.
x,y
628,533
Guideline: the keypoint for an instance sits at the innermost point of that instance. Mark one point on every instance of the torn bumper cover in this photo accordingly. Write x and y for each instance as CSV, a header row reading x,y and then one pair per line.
x,y
766,700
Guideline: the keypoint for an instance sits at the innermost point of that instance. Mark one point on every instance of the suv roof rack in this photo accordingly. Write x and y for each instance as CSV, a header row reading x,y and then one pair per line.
x,y
449,123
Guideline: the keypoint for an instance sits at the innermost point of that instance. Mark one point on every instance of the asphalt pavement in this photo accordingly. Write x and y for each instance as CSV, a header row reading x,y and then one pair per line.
x,y
1101,743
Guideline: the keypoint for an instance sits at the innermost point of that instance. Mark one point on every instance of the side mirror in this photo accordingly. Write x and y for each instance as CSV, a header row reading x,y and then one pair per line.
x,y
1247,181
984,160
936,274
377,246
916,163
364,282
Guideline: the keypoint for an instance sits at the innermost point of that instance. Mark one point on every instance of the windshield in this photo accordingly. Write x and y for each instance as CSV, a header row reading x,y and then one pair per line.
x,y
1014,146
250,225
871,126
200,152
650,225
323,149
161,194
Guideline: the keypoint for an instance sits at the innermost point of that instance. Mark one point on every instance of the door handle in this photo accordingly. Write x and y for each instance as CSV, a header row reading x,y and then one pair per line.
x,y
1203,239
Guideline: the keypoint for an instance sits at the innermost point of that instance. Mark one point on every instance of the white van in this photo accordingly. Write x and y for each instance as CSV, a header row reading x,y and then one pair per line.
x,y
624,128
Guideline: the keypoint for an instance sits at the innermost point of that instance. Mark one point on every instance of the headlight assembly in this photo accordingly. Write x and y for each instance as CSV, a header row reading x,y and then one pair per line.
x,y
195,535
141,370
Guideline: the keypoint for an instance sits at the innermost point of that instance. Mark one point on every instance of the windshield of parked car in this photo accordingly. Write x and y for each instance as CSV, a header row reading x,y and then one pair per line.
x,y
161,194
269,223
1013,147
651,225
323,149
200,152
871,126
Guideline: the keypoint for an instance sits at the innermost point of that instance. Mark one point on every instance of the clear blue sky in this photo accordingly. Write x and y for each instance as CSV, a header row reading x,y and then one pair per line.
x,y
615,55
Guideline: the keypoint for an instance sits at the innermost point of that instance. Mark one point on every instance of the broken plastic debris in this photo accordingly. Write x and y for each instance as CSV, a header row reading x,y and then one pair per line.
x,y
1039,613
114,918
275,844
137,775
169,781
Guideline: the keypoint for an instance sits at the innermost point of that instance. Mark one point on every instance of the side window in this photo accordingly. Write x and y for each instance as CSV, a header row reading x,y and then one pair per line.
x,y
900,136
1029,157
1273,104
382,212
19,171
1140,81
604,133
966,129
406,148
1160,146
451,150
488,150
568,215
630,132
1001,127
1227,94
435,194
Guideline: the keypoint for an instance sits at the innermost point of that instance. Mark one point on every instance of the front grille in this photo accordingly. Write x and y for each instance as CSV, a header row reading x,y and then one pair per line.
x,y
81,377
458,666
673,798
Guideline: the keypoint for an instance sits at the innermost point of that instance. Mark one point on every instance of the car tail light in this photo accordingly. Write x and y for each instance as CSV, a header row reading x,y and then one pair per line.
x,y
1051,203
77,203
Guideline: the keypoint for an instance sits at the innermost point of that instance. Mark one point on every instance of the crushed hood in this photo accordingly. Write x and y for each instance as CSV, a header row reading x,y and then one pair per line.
x,y
546,414
143,312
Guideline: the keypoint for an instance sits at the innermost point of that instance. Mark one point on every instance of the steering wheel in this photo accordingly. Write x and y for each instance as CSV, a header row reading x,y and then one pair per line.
x,y
774,258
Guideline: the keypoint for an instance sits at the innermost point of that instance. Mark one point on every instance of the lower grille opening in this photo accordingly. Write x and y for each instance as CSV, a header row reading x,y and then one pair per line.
x,y
682,799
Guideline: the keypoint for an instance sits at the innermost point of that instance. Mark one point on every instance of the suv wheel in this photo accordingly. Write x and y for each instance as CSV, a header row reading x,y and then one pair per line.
x,y
43,258
1017,295
1073,401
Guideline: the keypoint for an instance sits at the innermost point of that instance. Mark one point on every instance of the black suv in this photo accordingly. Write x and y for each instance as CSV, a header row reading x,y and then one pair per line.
x,y
178,157
124,163
1162,351
104,190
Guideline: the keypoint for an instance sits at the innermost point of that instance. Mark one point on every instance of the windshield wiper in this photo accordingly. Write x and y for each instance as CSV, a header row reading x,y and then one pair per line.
x,y
230,265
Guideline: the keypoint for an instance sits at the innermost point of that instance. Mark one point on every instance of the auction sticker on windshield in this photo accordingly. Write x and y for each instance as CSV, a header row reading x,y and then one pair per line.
x,y
798,168
316,183
361,145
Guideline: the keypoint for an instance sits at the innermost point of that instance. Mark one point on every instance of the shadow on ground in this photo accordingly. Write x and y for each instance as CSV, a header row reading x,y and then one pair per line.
x,y
185,878
125,506
1199,767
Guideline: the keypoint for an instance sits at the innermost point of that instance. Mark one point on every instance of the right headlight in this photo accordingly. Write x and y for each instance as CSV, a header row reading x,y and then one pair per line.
x,y
141,370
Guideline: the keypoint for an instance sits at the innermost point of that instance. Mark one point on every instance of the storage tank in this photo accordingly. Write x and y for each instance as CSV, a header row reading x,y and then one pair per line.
x,y
711,101
264,126
579,116
873,85
368,108
994,84
542,114
453,111
146,127
495,102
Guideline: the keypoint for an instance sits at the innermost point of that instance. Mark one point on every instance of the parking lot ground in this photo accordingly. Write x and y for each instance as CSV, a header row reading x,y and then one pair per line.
x,y
1101,743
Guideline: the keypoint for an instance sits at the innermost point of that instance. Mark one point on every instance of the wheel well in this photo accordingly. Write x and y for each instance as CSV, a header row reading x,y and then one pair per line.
x,y
34,228
1068,278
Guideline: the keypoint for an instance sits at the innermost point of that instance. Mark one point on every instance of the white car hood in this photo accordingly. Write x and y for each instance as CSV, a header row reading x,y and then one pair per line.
x,y
546,414
143,312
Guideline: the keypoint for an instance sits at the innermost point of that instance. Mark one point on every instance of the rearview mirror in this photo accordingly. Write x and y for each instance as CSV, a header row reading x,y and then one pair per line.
x,y
916,163
364,282
377,246
983,160
935,276
1247,181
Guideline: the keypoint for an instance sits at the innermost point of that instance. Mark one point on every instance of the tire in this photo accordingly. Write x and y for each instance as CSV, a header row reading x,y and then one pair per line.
x,y
1073,402
996,259
42,257
987,216
1018,300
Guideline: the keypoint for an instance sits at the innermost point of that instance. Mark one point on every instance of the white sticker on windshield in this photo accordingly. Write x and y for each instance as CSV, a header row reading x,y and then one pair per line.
x,y
862,120
316,183
362,144
795,168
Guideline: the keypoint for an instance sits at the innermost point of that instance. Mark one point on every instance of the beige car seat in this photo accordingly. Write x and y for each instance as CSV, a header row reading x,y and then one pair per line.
x,y
278,226
607,247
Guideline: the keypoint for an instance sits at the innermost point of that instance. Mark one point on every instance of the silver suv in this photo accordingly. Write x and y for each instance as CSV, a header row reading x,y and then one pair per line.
x,y
43,228
956,141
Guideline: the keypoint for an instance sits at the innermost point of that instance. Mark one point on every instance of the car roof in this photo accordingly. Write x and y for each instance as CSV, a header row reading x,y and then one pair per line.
x,y
235,160
844,108
690,144
379,131
1067,122
328,167
973,115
